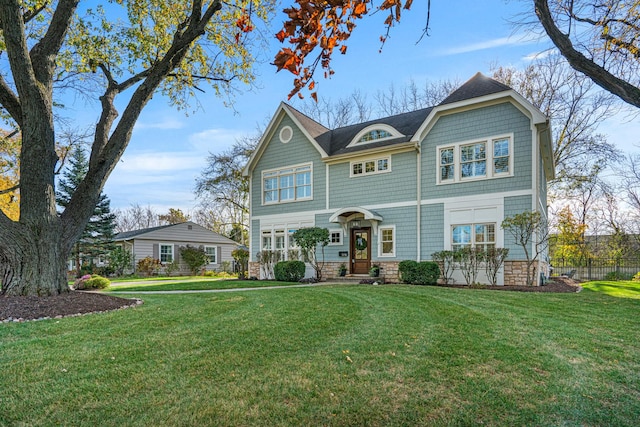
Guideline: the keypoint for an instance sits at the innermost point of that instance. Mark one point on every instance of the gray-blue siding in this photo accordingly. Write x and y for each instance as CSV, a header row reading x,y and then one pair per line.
x,y
278,155
404,220
512,206
396,186
432,233
477,124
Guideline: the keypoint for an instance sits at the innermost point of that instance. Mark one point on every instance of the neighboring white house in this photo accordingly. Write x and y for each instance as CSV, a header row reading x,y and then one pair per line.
x,y
163,243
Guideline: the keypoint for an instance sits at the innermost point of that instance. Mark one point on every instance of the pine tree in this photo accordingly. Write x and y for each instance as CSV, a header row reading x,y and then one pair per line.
x,y
97,238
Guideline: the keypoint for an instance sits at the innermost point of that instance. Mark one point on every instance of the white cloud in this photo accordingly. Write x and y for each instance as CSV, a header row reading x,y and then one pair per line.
x,y
163,123
154,162
538,55
515,40
214,140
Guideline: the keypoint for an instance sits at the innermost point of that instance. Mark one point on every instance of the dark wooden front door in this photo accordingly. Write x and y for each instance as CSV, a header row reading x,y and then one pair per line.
x,y
360,250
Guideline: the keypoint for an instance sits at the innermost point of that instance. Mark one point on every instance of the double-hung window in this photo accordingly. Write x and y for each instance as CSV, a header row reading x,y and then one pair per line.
x,y
473,160
489,158
166,253
212,254
387,236
287,185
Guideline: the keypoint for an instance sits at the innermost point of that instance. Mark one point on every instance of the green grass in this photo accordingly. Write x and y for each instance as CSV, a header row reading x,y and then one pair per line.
x,y
622,289
197,285
331,355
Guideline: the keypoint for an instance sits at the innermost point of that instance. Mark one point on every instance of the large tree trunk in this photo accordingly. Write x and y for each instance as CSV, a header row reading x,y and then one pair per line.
x,y
35,264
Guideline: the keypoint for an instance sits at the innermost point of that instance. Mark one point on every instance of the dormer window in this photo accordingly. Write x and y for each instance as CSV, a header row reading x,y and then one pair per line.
x,y
374,133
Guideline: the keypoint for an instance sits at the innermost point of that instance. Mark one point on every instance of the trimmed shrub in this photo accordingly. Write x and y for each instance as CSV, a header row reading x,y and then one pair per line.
x,y
427,273
91,282
636,277
419,273
407,269
289,271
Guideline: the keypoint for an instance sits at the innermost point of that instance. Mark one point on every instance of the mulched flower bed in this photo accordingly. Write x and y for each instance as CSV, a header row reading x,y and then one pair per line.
x,y
556,284
19,308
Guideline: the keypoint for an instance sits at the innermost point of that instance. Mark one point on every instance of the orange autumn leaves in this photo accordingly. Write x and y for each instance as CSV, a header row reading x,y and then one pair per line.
x,y
326,25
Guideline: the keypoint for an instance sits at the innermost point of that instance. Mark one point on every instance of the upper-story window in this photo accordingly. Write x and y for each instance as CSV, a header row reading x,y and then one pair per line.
x,y
375,134
287,185
490,158
370,166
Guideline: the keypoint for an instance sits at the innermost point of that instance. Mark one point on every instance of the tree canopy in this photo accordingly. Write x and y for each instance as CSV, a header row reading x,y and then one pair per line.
x,y
599,39
118,55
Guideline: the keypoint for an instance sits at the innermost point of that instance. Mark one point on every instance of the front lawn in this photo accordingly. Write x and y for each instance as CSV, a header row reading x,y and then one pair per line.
x,y
196,285
331,355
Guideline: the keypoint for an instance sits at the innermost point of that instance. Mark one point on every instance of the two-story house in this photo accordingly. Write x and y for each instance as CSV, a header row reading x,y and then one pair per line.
x,y
406,186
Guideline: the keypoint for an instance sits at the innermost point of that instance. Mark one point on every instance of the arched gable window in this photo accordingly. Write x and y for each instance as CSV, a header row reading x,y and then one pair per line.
x,y
374,133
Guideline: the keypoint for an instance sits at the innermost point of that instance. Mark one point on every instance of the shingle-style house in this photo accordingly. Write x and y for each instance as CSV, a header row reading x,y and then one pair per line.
x,y
403,187
163,243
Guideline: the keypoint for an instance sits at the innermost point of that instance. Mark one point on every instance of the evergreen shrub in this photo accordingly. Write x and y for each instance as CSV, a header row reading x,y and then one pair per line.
x,y
289,271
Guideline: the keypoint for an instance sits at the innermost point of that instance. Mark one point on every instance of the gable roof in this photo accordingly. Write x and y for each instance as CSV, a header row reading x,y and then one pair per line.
x,y
476,87
412,126
148,233
126,235
337,141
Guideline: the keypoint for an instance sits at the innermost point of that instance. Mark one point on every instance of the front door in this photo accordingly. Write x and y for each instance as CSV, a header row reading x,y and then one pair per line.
x,y
360,250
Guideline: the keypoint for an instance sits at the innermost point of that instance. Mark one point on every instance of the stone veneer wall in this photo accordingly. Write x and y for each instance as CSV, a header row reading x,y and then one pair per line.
x,y
254,269
515,273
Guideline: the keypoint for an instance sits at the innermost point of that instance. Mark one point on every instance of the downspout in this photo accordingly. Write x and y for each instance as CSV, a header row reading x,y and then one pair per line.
x,y
418,200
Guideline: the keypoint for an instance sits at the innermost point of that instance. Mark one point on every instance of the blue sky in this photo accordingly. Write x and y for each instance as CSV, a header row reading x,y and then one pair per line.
x,y
168,149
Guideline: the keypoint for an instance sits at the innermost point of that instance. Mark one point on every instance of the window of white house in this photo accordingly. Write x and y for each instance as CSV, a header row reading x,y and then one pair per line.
x,y
465,161
473,235
335,237
367,167
387,241
212,253
166,253
287,185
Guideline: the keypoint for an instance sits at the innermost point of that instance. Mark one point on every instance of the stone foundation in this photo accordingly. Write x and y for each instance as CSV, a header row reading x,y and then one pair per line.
x,y
515,273
254,269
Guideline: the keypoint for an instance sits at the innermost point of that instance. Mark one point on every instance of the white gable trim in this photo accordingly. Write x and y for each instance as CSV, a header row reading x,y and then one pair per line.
x,y
283,109
473,103
378,126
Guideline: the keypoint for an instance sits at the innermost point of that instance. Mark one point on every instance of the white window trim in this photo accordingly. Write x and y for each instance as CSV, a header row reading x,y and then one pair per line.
x,y
215,251
379,126
395,238
284,139
341,242
277,176
457,175
364,161
473,242
173,255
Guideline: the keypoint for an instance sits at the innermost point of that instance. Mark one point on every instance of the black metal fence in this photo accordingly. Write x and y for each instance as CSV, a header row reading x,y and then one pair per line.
x,y
597,268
